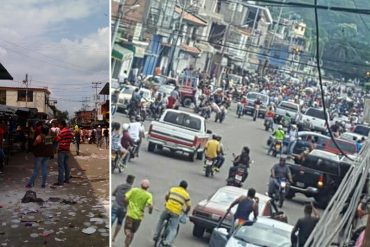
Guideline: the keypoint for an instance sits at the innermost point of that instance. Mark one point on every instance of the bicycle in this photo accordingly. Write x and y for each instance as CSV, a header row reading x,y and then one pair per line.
x,y
163,233
118,162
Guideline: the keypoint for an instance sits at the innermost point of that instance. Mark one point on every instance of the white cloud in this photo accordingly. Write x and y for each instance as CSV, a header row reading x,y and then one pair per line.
x,y
67,66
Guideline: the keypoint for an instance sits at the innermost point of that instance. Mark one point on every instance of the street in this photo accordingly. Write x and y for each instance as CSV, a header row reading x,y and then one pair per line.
x,y
65,211
165,169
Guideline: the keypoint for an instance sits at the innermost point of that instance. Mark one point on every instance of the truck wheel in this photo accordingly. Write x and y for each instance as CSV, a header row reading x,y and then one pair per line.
x,y
151,147
198,231
187,102
199,155
193,156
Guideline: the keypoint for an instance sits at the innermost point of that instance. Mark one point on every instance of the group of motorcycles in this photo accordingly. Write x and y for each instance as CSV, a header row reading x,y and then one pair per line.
x,y
146,110
213,103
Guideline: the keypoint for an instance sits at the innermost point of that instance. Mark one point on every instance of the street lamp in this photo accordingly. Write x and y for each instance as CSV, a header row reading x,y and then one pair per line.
x,y
121,13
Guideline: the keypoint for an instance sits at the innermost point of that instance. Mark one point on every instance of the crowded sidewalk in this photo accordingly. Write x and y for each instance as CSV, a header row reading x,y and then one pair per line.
x,y
75,214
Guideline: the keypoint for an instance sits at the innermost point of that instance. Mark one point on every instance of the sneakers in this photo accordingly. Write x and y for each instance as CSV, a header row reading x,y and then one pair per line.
x,y
216,169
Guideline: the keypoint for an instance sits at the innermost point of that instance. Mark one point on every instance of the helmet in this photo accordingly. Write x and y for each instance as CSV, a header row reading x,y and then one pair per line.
x,y
125,126
294,126
280,127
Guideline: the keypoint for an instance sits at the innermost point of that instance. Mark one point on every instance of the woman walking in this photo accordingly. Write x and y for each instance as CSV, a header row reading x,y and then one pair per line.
x,y
42,150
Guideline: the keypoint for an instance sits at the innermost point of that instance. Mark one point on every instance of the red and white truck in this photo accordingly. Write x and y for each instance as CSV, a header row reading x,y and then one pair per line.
x,y
179,131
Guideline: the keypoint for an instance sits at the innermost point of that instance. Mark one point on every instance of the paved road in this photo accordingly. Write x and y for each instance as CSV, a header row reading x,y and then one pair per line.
x,y
166,169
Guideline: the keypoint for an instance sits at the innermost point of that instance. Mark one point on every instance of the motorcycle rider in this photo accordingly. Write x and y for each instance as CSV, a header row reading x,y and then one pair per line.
x,y
279,171
173,98
220,158
241,160
279,136
269,118
157,106
177,203
293,135
212,148
135,100
246,205
137,132
126,142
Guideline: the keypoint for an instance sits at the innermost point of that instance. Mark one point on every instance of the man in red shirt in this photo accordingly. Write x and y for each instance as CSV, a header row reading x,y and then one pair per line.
x,y
64,139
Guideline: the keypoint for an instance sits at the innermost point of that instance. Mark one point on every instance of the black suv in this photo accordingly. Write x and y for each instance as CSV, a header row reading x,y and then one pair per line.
x,y
319,176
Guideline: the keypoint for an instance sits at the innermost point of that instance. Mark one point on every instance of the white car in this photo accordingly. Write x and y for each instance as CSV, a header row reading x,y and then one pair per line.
x,y
316,117
126,94
350,136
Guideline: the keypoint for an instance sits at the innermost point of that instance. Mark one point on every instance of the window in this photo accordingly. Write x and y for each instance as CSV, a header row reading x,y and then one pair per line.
x,y
184,120
24,95
287,106
2,97
316,113
362,130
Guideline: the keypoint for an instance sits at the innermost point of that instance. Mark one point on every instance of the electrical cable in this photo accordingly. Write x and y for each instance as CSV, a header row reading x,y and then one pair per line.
x,y
321,84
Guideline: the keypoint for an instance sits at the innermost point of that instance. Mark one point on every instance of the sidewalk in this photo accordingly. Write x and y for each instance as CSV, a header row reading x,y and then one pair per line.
x,y
81,205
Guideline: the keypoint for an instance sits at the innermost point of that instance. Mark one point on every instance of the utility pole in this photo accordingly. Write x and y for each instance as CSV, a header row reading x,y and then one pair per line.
x,y
227,31
96,86
174,42
84,102
25,81
118,21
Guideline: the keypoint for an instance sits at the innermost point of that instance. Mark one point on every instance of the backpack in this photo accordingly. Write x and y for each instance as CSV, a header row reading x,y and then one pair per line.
x,y
30,196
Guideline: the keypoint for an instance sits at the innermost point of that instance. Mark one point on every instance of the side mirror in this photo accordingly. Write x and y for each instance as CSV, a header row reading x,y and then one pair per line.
x,y
209,132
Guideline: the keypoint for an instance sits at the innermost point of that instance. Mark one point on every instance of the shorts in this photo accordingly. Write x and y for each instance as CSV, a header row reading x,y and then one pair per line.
x,y
132,224
118,213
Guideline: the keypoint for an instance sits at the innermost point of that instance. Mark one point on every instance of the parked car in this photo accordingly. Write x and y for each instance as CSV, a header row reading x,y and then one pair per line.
x,y
208,212
362,130
318,176
264,232
154,82
179,132
126,94
350,136
252,97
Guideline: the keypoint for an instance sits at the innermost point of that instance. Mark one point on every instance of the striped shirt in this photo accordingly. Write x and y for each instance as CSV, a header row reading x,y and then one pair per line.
x,y
64,138
177,200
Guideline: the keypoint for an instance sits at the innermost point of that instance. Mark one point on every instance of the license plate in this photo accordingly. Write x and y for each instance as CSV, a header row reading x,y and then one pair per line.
x,y
238,178
299,184
209,162
215,217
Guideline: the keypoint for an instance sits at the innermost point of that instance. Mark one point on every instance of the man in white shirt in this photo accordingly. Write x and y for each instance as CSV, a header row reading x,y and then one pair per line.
x,y
136,132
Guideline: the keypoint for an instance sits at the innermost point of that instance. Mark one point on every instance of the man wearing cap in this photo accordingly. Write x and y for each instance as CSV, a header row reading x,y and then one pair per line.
x,y
119,207
177,203
137,199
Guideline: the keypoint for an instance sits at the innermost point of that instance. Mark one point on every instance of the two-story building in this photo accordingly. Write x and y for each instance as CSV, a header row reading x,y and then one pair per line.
x,y
37,98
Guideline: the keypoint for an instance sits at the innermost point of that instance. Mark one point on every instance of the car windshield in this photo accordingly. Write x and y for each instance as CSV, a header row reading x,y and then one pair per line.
x,y
224,197
315,113
362,130
128,90
288,106
264,235
253,96
184,120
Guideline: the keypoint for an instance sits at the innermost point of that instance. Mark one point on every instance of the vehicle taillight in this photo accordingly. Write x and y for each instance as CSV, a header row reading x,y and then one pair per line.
x,y
195,141
320,182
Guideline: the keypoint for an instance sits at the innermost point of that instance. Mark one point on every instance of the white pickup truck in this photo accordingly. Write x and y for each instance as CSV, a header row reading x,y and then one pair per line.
x,y
316,118
291,108
179,132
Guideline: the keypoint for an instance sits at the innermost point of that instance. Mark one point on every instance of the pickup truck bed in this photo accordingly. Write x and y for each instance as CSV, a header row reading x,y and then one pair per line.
x,y
179,132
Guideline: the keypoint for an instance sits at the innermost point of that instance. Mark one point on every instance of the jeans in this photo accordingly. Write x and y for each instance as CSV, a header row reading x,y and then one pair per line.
x,y
219,161
99,141
174,221
63,169
78,145
42,161
119,214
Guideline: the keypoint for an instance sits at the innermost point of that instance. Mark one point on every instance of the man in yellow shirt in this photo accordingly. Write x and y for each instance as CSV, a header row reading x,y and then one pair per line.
x,y
212,148
137,200
177,203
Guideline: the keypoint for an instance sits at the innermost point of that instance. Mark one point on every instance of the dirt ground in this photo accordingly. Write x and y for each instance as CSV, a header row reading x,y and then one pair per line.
x,y
67,212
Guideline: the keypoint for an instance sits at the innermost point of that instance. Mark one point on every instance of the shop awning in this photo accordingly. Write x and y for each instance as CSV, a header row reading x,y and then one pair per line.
x,y
4,74
190,49
121,53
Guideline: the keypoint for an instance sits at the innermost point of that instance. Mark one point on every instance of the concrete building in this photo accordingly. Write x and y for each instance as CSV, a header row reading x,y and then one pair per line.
x,y
37,98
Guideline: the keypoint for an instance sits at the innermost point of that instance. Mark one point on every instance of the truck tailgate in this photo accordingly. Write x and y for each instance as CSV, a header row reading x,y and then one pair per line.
x,y
172,134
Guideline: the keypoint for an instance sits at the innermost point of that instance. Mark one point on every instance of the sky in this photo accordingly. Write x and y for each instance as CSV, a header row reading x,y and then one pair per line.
x,y
62,45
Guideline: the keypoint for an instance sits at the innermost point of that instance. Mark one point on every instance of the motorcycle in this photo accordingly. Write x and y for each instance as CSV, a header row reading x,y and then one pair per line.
x,y
269,123
277,148
208,166
256,112
240,109
220,115
280,191
156,110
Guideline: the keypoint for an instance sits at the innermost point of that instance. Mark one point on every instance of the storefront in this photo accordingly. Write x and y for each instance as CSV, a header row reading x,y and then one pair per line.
x,y
122,59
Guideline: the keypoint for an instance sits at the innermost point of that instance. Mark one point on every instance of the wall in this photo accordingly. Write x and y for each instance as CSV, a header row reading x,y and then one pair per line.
x,y
38,100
